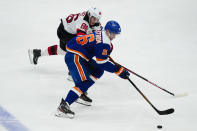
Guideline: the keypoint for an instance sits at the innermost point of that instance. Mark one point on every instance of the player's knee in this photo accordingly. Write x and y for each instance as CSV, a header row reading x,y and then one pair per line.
x,y
84,85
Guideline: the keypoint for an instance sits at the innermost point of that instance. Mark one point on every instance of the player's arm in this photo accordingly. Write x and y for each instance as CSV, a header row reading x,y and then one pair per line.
x,y
102,58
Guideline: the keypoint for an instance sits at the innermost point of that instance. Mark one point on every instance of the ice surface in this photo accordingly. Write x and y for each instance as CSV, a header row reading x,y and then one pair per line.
x,y
158,41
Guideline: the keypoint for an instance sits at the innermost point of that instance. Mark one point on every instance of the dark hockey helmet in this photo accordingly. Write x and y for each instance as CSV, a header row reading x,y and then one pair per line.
x,y
113,27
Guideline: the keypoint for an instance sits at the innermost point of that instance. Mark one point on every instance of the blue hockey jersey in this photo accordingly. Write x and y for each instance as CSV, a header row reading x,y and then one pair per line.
x,y
95,44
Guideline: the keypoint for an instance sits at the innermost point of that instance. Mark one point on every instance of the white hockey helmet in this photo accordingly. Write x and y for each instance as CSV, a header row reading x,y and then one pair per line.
x,y
93,11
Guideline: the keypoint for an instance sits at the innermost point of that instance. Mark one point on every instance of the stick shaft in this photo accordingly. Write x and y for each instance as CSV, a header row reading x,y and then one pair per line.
x,y
143,96
143,78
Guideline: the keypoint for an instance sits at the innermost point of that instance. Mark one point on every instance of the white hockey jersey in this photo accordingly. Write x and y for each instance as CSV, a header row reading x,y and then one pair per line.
x,y
76,22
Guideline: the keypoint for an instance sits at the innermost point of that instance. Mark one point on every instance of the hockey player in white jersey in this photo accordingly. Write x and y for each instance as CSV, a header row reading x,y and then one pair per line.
x,y
70,26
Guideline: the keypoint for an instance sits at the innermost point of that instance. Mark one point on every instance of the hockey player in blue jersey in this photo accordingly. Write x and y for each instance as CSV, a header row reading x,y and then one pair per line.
x,y
83,68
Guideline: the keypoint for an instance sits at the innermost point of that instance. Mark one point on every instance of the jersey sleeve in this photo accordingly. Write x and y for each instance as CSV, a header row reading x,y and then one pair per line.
x,y
102,58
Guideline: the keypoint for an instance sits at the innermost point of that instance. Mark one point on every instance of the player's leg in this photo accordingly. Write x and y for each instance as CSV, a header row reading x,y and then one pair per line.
x,y
80,75
83,99
34,54
95,73
64,37
64,108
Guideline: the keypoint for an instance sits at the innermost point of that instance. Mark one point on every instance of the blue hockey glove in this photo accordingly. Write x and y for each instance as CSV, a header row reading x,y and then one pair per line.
x,y
122,72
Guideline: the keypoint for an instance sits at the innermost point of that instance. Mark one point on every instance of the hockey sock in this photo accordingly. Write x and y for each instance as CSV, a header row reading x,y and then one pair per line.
x,y
72,96
76,92
53,50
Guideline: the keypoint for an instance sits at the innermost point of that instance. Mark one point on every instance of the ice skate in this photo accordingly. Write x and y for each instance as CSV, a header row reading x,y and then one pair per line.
x,y
34,55
69,78
64,110
84,100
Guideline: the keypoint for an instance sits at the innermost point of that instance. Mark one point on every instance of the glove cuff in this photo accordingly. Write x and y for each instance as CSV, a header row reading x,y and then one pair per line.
x,y
119,71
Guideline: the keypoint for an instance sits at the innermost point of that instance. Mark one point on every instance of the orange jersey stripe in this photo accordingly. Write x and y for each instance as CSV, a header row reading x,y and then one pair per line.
x,y
120,71
79,67
77,52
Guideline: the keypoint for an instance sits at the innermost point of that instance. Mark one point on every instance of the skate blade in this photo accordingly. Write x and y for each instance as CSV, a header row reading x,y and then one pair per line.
x,y
30,53
82,102
63,115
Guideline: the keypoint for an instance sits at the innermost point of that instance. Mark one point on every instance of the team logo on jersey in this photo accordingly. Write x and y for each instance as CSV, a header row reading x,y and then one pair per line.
x,y
104,52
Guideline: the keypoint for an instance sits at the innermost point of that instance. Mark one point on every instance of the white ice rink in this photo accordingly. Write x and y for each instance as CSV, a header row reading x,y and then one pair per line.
x,y
158,41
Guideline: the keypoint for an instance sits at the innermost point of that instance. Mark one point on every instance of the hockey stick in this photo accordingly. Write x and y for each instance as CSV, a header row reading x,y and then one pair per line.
x,y
150,82
177,95
165,112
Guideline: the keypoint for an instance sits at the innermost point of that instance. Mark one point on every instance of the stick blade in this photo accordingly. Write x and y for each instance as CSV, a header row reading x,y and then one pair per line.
x,y
181,95
166,112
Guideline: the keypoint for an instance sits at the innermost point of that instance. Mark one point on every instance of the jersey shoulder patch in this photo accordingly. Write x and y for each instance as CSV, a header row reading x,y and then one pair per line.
x,y
105,52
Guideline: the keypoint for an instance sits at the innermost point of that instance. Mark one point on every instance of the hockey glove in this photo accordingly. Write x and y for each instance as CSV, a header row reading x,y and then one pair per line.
x,y
122,72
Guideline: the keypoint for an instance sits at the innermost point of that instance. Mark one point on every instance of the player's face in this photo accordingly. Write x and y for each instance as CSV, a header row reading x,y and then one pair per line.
x,y
111,35
93,20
